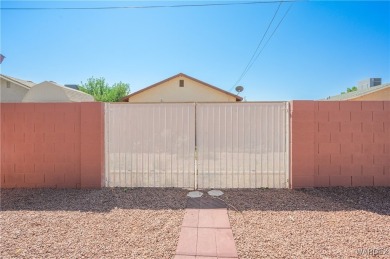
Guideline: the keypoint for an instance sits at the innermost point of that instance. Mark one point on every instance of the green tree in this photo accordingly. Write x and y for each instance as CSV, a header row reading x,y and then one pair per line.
x,y
352,89
103,92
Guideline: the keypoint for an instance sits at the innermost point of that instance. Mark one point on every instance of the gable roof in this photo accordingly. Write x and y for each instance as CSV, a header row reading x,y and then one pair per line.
x,y
21,82
76,95
72,94
357,93
126,98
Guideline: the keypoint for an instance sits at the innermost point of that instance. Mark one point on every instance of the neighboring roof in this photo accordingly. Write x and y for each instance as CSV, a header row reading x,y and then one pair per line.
x,y
76,95
24,83
73,86
357,93
72,94
238,98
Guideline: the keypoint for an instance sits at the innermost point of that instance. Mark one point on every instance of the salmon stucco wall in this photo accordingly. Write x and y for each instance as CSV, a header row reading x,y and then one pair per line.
x,y
56,145
340,143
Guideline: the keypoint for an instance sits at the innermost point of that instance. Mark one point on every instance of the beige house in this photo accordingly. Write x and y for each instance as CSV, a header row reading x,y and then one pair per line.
x,y
181,88
13,89
374,93
51,92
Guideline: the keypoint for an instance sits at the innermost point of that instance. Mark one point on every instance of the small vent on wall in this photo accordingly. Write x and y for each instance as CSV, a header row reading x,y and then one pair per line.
x,y
8,85
181,83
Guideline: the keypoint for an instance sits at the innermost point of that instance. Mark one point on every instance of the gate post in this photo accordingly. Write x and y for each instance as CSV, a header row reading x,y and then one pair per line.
x,y
195,154
288,146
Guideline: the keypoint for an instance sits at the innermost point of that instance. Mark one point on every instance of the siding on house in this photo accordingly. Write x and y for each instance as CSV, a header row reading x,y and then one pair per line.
x,y
11,92
381,95
169,90
374,93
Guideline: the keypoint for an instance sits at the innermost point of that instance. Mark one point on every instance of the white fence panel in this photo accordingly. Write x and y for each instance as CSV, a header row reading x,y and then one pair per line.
x,y
242,145
150,145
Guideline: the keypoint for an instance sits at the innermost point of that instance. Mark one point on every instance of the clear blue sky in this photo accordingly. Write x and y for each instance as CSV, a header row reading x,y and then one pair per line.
x,y
320,48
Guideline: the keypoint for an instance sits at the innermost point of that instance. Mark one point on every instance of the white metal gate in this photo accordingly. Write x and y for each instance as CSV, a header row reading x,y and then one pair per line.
x,y
150,145
242,145
238,145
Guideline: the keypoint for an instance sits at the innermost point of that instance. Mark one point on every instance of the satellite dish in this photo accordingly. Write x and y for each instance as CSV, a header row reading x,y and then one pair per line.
x,y
239,89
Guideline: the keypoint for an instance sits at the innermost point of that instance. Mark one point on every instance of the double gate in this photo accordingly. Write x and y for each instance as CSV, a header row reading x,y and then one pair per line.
x,y
202,145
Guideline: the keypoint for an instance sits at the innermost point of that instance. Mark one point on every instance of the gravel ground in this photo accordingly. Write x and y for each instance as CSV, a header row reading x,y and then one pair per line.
x,y
106,223
145,223
310,223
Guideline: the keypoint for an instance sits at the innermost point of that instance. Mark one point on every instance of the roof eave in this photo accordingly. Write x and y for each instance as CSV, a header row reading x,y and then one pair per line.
x,y
15,82
126,98
353,95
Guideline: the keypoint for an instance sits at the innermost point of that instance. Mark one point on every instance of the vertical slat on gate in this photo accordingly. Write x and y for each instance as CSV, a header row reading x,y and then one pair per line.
x,y
214,147
266,146
159,148
231,179
106,144
277,148
145,143
260,148
272,152
287,146
118,173
135,148
248,139
236,172
150,145
188,147
173,149
114,155
127,150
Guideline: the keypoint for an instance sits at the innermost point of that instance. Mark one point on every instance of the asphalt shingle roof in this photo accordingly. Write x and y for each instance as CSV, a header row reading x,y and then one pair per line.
x,y
358,93
25,83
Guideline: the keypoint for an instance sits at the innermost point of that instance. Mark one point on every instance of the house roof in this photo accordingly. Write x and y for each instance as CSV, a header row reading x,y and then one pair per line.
x,y
357,93
76,95
126,98
72,94
21,82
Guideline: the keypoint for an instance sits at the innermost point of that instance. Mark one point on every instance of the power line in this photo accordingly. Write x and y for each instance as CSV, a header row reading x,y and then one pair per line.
x,y
258,45
266,43
261,50
146,6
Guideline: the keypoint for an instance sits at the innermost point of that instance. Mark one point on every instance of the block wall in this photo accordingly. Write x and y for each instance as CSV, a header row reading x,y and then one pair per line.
x,y
340,143
56,145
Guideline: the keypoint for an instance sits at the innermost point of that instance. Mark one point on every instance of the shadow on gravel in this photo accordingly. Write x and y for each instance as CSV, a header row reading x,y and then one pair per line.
x,y
376,200
93,200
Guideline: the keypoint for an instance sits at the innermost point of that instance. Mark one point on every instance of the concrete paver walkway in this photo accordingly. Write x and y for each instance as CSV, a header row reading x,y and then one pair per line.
x,y
206,231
